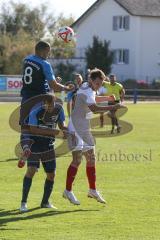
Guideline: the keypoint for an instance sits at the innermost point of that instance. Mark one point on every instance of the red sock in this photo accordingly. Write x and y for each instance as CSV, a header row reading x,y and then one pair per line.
x,y
91,174
71,173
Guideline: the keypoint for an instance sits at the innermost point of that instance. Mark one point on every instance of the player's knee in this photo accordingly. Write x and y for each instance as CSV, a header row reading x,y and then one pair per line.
x,y
51,176
77,158
76,162
91,161
90,157
31,172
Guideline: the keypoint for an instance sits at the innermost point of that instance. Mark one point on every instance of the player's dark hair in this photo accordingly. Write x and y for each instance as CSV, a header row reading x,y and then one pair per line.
x,y
112,75
97,73
69,82
49,98
41,45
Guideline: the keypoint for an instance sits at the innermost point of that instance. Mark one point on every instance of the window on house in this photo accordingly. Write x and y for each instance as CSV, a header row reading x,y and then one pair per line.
x,y
121,23
121,56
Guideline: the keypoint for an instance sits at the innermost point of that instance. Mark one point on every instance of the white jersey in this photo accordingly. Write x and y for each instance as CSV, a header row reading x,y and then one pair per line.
x,y
81,113
79,122
102,91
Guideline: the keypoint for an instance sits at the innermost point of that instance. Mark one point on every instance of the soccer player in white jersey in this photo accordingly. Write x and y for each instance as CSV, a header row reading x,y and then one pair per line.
x,y
83,142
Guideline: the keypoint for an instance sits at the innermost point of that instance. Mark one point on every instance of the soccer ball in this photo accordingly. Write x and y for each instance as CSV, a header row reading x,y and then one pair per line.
x,y
66,34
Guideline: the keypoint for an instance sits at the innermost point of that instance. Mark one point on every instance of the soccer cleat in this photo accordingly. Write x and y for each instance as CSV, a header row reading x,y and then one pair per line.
x,y
95,194
71,197
112,131
119,129
47,205
23,207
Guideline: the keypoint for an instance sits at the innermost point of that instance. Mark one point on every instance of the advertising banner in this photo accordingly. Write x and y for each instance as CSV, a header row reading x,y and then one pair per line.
x,y
3,85
14,84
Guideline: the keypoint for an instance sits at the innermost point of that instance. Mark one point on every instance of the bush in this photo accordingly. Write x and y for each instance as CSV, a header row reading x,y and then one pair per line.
x,y
130,84
156,83
65,71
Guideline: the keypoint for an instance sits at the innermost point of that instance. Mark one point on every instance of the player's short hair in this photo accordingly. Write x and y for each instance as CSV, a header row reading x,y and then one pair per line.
x,y
49,98
112,75
97,73
41,45
68,82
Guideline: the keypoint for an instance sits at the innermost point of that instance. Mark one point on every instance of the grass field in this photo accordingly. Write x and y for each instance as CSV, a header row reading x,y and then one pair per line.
x,y
130,184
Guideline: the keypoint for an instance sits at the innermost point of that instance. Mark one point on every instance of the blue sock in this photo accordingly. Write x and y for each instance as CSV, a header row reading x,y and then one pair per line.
x,y
48,187
27,182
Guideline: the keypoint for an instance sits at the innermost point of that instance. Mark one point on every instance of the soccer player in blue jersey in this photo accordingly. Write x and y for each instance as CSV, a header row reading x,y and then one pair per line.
x,y
38,78
43,119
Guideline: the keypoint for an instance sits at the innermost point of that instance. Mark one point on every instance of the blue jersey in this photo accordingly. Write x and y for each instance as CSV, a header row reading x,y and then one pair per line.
x,y
36,74
40,118
69,96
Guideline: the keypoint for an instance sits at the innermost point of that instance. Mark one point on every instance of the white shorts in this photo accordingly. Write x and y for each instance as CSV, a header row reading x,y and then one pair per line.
x,y
79,140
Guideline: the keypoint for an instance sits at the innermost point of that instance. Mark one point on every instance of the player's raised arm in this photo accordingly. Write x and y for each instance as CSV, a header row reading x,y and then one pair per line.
x,y
98,109
122,94
58,87
43,132
61,124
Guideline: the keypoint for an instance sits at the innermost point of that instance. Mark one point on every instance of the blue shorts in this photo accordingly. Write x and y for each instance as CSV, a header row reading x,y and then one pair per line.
x,y
47,159
69,97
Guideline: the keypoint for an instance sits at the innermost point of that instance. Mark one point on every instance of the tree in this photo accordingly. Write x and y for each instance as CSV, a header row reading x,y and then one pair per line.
x,y
19,16
99,55
65,71
21,27
13,50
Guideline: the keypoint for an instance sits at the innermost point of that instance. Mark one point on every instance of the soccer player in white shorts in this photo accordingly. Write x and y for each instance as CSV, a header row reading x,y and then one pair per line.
x,y
80,140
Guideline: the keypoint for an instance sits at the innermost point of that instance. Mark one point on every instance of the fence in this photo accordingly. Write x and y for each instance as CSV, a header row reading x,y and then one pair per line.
x,y
10,87
136,95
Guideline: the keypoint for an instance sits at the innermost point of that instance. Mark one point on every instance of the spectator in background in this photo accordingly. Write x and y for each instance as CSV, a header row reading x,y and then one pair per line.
x,y
114,88
102,92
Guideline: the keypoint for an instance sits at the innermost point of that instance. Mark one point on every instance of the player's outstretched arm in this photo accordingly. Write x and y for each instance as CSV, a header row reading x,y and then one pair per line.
x,y
48,132
58,87
64,130
122,94
99,109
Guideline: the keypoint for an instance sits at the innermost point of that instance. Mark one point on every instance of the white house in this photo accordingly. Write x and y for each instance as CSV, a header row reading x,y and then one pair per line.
x,y
133,29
